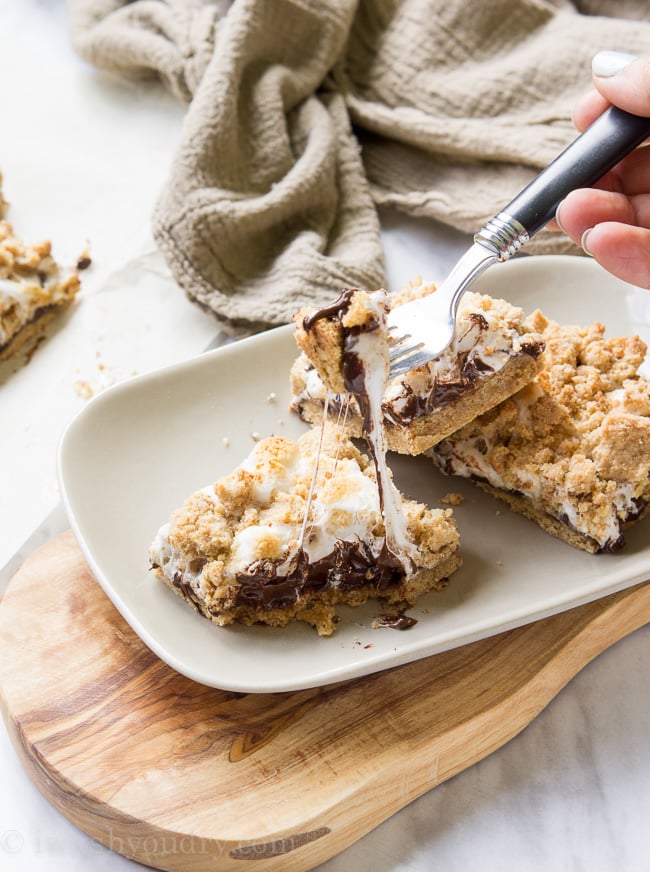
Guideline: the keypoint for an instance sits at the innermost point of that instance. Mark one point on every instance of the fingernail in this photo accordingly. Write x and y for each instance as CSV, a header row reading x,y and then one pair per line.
x,y
558,220
584,242
609,63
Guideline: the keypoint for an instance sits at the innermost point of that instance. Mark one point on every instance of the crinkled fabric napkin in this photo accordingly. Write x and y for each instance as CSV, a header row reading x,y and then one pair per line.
x,y
304,115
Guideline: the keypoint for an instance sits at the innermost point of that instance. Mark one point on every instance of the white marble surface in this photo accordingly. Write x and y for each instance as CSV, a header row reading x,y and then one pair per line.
x,y
83,159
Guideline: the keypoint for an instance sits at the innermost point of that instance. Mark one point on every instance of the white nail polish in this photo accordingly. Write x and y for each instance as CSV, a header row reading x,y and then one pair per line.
x,y
584,242
609,63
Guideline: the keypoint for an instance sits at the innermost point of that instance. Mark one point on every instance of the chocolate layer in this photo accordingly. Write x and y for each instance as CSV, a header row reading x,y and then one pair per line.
x,y
349,566
399,621
334,310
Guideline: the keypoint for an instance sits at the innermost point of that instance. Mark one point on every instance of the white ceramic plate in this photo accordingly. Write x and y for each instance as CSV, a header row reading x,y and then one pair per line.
x,y
137,450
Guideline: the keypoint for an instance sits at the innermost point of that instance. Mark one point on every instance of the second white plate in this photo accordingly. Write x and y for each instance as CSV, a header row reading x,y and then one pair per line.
x,y
138,450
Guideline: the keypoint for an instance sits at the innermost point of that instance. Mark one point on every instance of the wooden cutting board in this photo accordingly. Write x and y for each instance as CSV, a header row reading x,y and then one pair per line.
x,y
184,777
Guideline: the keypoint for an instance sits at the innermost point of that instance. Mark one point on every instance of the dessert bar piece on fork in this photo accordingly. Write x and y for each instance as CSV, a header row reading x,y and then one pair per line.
x,y
492,356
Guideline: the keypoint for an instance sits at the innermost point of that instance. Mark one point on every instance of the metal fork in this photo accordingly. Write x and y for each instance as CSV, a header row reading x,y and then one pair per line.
x,y
421,330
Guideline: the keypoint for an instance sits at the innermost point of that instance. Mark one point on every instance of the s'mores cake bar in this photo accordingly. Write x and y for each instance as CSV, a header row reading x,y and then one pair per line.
x,y
297,529
493,354
33,289
571,450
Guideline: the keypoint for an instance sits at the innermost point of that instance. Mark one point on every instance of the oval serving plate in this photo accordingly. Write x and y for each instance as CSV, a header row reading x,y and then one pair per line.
x,y
139,449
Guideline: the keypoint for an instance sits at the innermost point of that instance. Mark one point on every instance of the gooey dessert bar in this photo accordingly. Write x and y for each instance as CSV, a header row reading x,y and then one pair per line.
x,y
492,356
33,289
571,451
301,527
296,530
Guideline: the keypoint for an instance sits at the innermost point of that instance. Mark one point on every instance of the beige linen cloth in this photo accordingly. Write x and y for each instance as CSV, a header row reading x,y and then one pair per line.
x,y
304,115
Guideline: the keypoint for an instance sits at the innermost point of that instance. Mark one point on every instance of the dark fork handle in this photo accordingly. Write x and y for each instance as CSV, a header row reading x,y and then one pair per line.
x,y
612,136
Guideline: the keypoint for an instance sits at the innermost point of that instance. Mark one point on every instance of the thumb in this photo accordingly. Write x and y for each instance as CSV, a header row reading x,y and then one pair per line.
x,y
623,80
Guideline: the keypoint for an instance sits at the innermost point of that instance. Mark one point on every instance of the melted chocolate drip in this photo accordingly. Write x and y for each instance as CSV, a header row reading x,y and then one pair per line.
x,y
640,505
335,309
477,320
185,587
470,368
354,378
612,547
392,568
349,566
443,392
399,621
532,349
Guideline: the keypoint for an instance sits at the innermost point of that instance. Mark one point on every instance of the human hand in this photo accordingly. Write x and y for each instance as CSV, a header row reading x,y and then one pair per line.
x,y
612,220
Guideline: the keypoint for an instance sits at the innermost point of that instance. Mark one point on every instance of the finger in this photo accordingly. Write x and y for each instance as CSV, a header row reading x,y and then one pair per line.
x,y
583,207
622,250
610,182
631,175
587,207
628,88
604,64
588,108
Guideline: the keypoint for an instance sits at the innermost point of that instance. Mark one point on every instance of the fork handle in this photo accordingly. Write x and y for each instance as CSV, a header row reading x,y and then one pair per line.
x,y
612,136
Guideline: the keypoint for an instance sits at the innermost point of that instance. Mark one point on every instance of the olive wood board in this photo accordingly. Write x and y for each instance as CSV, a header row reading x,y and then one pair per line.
x,y
181,776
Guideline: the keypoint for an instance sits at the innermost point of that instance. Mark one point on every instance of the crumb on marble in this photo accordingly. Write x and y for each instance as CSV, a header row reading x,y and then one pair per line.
x,y
83,389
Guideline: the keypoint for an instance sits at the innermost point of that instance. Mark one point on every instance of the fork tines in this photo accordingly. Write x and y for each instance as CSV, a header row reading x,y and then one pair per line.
x,y
405,354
